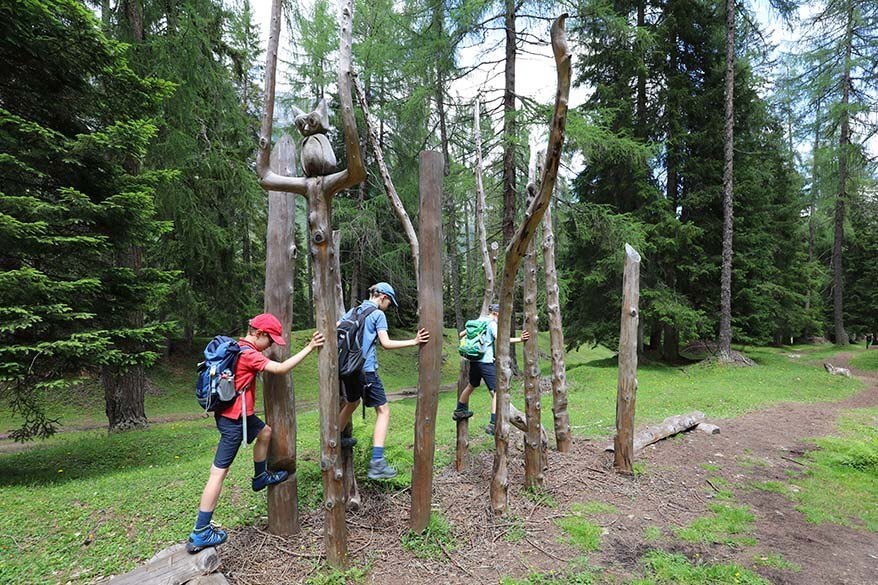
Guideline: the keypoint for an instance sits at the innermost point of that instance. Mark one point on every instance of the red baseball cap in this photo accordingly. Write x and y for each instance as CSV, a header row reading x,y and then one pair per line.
x,y
271,325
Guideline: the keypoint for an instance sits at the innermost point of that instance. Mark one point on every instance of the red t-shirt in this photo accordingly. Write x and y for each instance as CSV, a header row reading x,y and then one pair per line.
x,y
250,363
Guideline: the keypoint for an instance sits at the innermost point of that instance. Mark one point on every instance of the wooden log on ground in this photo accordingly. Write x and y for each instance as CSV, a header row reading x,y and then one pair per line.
x,y
835,371
708,428
668,427
430,318
626,393
171,566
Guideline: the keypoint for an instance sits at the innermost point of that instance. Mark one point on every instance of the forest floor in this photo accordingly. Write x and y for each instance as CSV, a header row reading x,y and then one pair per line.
x,y
723,503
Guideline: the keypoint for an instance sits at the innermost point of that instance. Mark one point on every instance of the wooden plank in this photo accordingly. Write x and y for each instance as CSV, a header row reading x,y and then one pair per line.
x,y
430,308
212,579
626,392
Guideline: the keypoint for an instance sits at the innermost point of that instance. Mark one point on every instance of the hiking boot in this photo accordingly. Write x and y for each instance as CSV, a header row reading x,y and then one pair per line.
x,y
489,428
205,537
379,469
267,478
461,414
348,442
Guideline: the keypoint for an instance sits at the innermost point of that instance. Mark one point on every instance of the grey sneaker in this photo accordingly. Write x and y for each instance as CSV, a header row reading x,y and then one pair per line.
x,y
489,428
379,469
461,414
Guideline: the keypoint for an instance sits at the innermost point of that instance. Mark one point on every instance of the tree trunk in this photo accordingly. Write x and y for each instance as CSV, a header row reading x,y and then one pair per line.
x,y
487,263
556,339
626,393
278,394
509,137
844,141
812,206
514,253
430,354
533,460
725,318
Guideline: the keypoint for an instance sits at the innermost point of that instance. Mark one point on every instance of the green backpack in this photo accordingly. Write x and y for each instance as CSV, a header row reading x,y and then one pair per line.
x,y
475,343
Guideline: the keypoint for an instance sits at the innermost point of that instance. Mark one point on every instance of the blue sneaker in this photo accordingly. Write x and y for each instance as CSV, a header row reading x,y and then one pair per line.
x,y
205,537
267,478
379,469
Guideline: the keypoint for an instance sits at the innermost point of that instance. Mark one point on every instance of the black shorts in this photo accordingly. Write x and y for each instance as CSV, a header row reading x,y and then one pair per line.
x,y
365,385
479,371
231,433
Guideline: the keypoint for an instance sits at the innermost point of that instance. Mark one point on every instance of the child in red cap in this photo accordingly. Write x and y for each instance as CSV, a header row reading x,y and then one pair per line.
x,y
264,330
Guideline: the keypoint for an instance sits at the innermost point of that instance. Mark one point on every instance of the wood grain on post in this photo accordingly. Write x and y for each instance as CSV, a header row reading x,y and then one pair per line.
x,y
533,459
351,490
561,418
278,397
515,251
430,318
627,388
462,444
172,566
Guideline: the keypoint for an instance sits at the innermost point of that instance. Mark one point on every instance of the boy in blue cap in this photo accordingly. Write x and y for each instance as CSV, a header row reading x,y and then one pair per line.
x,y
366,383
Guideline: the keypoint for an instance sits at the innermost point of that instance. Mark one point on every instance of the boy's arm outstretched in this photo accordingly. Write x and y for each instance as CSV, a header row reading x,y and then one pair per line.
x,y
423,336
288,364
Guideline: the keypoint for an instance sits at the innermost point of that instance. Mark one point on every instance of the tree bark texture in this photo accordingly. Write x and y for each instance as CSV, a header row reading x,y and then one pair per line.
x,y
430,318
626,392
171,566
533,457
514,253
351,490
556,338
278,395
725,316
462,443
844,143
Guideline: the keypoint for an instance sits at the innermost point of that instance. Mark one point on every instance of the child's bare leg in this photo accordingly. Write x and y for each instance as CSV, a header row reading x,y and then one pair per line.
x,y
263,439
344,415
381,425
210,495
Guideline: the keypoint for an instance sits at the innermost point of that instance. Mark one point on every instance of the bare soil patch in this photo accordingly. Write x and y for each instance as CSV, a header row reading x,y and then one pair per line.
x,y
674,491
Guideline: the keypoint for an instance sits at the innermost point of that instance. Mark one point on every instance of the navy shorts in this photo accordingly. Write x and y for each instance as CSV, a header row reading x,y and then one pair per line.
x,y
479,371
365,385
231,433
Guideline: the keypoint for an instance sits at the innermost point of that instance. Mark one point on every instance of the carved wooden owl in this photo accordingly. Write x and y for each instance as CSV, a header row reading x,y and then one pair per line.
x,y
317,156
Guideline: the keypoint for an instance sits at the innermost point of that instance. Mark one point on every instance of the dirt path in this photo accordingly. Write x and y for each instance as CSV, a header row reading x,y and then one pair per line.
x,y
673,492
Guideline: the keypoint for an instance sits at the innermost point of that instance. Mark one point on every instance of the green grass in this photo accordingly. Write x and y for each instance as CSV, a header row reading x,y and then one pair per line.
x,y
729,525
580,532
867,360
556,578
327,576
841,484
138,491
593,508
776,487
652,533
711,467
664,568
776,561
430,543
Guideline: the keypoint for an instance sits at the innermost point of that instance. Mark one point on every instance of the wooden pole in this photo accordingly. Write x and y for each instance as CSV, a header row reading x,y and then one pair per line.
x,y
351,490
514,252
533,461
430,318
278,396
627,388
563,439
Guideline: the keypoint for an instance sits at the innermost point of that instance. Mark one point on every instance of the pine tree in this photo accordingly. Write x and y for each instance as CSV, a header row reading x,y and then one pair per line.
x,y
77,123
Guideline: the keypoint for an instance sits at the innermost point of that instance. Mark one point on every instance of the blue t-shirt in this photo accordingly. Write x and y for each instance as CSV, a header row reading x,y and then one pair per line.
x,y
375,322
488,358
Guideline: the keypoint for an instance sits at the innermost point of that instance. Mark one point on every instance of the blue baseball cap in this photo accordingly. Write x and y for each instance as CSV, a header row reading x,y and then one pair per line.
x,y
386,289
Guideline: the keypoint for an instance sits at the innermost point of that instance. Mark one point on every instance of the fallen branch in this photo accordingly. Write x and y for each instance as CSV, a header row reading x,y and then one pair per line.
x,y
669,427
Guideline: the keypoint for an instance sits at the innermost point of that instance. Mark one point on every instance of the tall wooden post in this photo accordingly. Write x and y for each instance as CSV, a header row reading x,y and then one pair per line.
x,y
278,397
514,252
351,490
556,338
429,318
533,460
623,443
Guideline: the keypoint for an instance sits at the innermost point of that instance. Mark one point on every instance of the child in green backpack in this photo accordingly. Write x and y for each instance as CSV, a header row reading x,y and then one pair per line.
x,y
484,369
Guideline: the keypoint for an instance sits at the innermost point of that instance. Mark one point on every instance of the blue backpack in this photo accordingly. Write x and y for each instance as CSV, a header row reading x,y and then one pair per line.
x,y
215,387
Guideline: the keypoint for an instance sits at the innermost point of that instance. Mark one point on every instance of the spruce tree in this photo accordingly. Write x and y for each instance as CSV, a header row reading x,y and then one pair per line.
x,y
76,125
